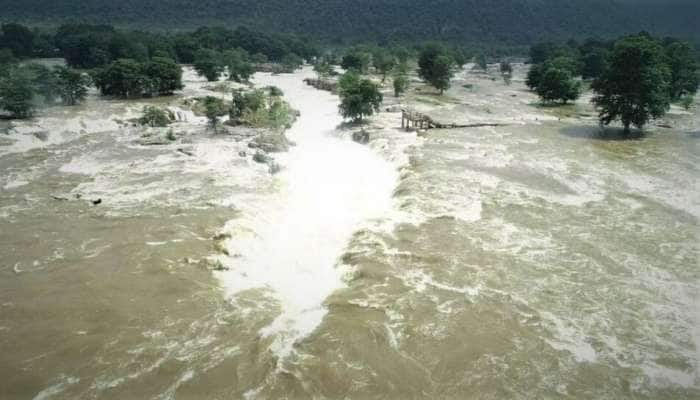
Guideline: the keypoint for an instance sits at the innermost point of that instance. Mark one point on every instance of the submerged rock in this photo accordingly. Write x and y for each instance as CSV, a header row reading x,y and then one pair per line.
x,y
271,142
261,157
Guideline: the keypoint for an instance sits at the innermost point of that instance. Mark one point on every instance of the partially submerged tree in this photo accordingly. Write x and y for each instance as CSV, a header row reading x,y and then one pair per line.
x,y
16,93
165,76
122,78
634,87
400,84
383,62
237,61
72,86
155,117
683,64
557,85
214,109
207,63
435,66
355,60
129,78
506,71
323,69
358,97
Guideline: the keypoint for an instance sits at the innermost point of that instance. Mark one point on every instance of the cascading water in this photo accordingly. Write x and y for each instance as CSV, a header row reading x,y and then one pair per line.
x,y
328,188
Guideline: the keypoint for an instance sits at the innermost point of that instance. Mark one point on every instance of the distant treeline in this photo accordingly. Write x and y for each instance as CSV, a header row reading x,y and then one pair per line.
x,y
471,23
89,46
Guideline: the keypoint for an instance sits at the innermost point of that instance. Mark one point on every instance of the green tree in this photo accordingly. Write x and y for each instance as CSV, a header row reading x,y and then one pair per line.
x,y
634,87
593,55
358,97
72,86
123,78
291,62
682,61
44,81
383,62
435,66
557,85
208,64
155,117
355,60
214,108
323,69
246,103
400,84
17,93
164,75
237,61
534,75
17,38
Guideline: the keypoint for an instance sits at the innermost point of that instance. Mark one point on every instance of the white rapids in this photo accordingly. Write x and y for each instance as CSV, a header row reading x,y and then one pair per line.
x,y
328,188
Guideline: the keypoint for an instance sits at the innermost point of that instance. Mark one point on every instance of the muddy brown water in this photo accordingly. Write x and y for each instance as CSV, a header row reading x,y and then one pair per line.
x,y
543,259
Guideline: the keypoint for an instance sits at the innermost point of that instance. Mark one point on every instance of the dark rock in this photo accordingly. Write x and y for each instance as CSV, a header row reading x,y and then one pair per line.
x,y
185,152
243,154
261,157
270,142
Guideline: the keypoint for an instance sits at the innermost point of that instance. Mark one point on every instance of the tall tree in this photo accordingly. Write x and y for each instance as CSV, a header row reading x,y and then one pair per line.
x,y
355,60
435,66
634,87
358,97
682,61
208,63
165,76
72,86
383,62
238,63
557,85
16,93
122,78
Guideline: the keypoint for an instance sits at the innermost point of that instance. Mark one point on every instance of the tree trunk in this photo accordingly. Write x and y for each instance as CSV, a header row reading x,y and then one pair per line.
x,y
627,129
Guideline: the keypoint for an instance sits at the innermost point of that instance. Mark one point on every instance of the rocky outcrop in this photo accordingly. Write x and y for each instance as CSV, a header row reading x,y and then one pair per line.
x,y
321,84
270,142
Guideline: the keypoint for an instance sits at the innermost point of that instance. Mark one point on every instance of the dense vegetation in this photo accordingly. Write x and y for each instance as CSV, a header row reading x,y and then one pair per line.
x,y
635,78
131,63
473,22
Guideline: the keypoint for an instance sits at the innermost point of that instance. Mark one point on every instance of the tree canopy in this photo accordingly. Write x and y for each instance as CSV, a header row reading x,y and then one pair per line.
x,y
358,97
435,66
634,87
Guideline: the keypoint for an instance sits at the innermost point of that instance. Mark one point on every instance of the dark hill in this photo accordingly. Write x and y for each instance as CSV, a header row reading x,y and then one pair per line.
x,y
459,21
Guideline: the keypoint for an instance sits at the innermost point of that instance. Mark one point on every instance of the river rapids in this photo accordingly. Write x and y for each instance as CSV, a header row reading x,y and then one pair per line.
x,y
536,257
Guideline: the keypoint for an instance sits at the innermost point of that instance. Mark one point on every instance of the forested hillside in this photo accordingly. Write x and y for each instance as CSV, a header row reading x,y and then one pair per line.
x,y
509,22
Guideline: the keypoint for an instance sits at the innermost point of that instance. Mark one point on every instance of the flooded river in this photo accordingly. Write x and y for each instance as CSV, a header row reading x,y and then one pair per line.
x,y
536,258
